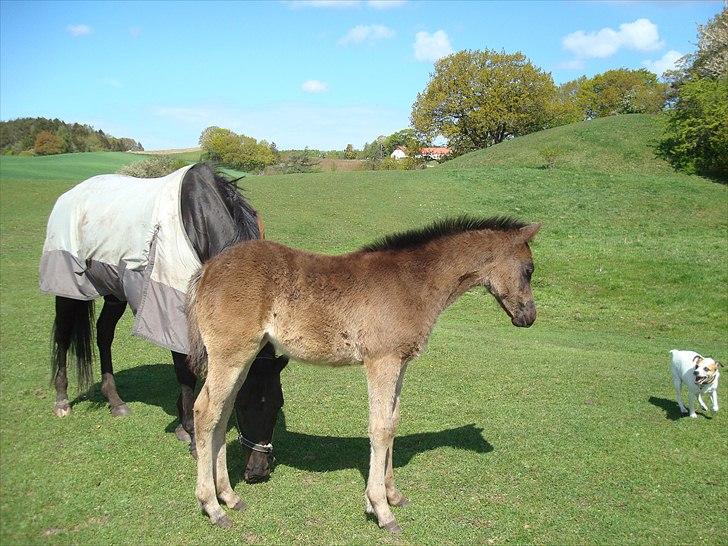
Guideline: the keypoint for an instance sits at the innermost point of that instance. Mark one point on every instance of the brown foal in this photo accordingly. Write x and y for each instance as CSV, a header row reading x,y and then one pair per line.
x,y
376,307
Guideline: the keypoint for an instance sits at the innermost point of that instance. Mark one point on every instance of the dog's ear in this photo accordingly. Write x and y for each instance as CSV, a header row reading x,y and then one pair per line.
x,y
719,363
697,359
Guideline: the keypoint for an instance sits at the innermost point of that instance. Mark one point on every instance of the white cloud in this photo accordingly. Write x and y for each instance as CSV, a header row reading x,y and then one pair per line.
x,y
431,47
78,30
574,64
667,62
314,86
366,33
641,35
385,4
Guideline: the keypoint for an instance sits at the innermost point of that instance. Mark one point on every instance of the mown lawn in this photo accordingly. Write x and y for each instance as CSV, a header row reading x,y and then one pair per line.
x,y
566,432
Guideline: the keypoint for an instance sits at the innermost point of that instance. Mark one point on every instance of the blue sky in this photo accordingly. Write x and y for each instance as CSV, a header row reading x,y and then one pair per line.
x,y
321,74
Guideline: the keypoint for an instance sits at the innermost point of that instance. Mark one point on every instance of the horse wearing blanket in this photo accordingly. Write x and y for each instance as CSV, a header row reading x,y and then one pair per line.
x,y
375,307
138,242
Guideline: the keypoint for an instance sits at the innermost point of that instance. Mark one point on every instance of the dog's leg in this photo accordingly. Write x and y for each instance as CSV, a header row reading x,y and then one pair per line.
x,y
714,400
678,383
700,400
691,404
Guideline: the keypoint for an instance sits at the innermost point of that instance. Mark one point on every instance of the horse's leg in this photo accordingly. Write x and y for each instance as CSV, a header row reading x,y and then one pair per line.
x,y
212,409
105,326
62,328
394,497
382,376
185,431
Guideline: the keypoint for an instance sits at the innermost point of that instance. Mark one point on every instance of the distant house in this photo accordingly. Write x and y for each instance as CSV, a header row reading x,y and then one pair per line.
x,y
399,153
435,153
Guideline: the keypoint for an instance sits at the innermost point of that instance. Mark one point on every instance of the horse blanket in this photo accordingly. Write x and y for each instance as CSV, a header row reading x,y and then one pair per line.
x,y
124,236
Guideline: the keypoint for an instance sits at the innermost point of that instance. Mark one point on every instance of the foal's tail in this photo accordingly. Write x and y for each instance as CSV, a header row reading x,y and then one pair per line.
x,y
197,353
73,329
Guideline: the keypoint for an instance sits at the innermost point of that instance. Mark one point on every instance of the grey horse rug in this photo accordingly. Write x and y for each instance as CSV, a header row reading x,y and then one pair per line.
x,y
124,236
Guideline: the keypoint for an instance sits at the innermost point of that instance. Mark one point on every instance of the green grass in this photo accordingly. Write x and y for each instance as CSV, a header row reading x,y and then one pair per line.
x,y
561,433
66,167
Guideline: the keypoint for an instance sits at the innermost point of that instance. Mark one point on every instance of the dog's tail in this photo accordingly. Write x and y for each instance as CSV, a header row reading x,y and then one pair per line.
x,y
197,353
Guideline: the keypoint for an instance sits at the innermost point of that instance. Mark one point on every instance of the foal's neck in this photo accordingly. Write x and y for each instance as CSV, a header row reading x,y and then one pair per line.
x,y
453,265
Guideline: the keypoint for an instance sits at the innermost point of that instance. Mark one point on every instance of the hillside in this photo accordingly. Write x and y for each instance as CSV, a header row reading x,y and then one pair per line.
x,y
616,144
70,167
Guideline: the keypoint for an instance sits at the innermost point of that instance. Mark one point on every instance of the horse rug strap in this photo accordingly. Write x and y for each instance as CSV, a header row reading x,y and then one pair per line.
x,y
124,236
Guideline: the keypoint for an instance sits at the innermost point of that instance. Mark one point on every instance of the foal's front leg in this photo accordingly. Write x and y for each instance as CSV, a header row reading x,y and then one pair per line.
x,y
382,378
106,325
185,431
212,411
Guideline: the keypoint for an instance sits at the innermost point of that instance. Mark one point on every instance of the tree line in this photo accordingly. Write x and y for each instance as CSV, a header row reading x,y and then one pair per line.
x,y
42,136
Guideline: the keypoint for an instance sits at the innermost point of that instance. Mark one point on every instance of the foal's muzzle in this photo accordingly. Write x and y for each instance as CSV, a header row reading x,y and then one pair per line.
x,y
525,315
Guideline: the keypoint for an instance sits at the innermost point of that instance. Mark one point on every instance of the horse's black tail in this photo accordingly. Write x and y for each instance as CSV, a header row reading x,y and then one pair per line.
x,y
73,329
197,353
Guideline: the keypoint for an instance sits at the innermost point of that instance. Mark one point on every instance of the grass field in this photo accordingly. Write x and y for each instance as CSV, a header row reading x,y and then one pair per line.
x,y
566,432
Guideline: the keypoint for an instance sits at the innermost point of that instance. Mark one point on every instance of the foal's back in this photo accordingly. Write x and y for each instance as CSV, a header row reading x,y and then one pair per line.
x,y
317,308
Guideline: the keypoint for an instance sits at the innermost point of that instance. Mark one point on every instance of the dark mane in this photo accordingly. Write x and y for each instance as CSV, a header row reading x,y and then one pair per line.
x,y
243,214
214,214
442,228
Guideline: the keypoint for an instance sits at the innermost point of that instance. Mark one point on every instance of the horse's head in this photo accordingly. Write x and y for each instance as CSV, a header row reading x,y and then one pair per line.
x,y
509,276
257,405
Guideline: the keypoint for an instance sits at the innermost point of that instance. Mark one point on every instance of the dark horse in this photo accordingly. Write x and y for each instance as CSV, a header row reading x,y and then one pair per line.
x,y
214,216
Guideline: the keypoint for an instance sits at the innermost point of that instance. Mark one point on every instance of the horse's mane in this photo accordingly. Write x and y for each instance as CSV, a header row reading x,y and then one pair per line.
x,y
442,228
243,214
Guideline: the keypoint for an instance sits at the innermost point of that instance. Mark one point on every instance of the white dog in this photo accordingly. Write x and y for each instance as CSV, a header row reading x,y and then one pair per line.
x,y
700,375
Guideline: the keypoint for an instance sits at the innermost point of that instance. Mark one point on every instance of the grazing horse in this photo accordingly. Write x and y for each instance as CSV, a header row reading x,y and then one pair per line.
x,y
138,241
376,307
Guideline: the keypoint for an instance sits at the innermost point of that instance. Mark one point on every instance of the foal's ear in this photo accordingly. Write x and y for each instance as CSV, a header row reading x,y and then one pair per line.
x,y
529,232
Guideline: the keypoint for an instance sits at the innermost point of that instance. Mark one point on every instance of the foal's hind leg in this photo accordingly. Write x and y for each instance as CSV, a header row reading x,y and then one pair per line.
x,y
382,379
110,314
212,410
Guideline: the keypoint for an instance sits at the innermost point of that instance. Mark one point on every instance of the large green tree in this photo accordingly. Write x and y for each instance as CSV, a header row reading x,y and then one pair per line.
x,y
479,98
696,134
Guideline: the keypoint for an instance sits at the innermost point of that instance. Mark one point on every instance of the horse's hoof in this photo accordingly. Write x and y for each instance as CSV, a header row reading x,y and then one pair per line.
x,y
120,411
403,501
223,522
392,527
240,506
62,409
182,435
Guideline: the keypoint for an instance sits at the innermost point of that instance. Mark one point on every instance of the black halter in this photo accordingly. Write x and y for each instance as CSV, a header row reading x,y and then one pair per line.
x,y
245,443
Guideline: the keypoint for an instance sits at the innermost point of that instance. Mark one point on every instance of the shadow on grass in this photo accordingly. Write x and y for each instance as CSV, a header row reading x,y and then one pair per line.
x,y
672,410
315,453
154,384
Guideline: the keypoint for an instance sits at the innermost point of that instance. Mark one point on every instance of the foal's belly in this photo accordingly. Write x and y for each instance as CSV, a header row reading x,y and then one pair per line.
x,y
315,346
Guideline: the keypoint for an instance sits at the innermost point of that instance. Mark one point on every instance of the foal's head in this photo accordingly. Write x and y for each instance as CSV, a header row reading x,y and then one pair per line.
x,y
508,277
257,405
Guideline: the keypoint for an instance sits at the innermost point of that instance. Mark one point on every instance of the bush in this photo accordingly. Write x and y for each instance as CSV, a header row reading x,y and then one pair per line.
x,y
153,167
46,143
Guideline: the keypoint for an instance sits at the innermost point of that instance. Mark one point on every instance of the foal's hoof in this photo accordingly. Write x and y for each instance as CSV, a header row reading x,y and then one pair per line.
x,y
223,522
392,527
182,435
120,411
62,409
